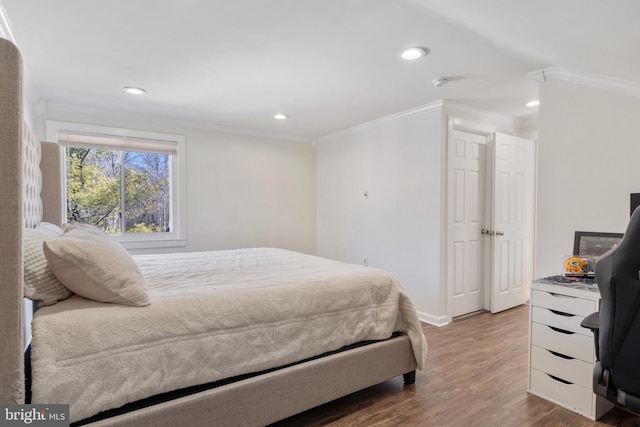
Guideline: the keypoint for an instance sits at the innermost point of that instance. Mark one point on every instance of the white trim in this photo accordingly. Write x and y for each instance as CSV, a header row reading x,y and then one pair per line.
x,y
433,320
5,25
462,113
477,119
152,243
526,125
113,142
76,109
471,126
176,238
55,126
626,87
433,106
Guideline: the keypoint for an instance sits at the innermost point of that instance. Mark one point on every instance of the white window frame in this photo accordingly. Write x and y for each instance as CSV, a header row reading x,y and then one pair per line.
x,y
175,238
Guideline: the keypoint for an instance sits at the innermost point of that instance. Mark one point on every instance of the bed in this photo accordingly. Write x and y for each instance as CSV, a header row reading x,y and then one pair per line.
x,y
335,343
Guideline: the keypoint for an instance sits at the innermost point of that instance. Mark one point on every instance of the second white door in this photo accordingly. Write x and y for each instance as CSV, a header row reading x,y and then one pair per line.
x,y
512,221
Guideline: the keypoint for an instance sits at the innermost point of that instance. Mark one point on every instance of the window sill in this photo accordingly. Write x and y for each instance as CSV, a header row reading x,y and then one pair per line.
x,y
153,243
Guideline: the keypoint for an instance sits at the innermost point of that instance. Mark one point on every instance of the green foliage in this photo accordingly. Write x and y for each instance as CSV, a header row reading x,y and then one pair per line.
x,y
93,197
94,190
144,228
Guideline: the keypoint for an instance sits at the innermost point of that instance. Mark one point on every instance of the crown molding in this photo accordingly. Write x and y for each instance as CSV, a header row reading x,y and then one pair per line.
x,y
461,111
432,106
77,109
612,84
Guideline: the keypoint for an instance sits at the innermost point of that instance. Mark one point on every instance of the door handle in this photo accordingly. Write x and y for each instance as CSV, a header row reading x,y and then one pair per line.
x,y
499,233
491,232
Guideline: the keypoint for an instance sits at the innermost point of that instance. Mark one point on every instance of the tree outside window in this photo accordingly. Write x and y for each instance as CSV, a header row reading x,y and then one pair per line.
x,y
129,182
119,191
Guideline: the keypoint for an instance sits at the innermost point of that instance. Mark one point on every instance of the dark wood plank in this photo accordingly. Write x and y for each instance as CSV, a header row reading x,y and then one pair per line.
x,y
476,375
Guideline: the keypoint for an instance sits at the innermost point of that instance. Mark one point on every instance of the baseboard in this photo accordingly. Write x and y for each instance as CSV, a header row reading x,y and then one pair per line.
x,y
433,320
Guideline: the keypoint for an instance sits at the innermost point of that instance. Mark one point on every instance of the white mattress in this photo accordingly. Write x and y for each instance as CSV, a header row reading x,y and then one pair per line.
x,y
213,315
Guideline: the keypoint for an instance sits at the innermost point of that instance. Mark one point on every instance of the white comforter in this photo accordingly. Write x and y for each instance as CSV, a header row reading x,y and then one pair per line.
x,y
213,315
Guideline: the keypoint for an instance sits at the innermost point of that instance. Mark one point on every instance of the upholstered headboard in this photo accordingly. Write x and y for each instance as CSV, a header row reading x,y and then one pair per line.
x,y
42,195
53,210
11,189
21,205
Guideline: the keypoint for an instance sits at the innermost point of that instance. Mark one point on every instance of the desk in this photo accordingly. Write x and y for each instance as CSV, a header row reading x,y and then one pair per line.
x,y
561,352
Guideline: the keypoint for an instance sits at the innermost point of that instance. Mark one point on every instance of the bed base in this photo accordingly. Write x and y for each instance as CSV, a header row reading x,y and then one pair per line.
x,y
276,395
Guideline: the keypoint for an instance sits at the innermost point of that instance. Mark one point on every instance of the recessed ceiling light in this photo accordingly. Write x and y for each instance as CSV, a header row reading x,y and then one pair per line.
x,y
280,117
533,103
413,53
134,90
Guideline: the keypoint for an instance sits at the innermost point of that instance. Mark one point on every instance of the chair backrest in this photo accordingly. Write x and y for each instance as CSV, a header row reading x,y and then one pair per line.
x,y
617,274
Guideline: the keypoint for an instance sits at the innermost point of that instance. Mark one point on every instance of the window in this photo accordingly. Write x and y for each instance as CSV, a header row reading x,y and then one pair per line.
x,y
126,182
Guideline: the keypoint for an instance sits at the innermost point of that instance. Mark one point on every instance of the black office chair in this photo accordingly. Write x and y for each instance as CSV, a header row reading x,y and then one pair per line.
x,y
617,326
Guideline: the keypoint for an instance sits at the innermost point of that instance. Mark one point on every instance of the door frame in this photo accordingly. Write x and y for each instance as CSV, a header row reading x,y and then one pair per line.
x,y
485,130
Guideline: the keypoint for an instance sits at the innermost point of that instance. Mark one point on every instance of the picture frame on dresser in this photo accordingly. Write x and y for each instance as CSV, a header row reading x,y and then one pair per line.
x,y
593,243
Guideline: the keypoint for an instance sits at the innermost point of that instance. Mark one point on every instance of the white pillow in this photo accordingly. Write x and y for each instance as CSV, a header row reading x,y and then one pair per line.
x,y
92,264
40,284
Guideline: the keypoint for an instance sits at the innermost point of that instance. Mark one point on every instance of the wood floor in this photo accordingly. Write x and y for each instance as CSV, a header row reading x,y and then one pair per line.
x,y
476,375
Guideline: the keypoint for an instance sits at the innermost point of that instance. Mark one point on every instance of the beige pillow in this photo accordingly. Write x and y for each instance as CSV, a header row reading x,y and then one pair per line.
x,y
40,284
92,264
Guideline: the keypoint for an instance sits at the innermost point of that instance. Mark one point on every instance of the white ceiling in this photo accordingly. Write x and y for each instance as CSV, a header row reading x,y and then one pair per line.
x,y
329,64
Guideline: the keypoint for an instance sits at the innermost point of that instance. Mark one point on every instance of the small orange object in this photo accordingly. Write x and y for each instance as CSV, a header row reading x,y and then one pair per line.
x,y
576,266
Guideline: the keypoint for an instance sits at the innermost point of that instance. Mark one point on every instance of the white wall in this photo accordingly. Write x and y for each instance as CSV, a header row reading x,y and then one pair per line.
x,y
588,162
398,162
242,191
248,191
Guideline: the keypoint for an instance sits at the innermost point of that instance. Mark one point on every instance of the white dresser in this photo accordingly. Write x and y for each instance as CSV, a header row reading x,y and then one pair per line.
x,y
562,353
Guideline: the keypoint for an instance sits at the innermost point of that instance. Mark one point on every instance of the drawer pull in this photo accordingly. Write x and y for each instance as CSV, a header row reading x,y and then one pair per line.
x,y
562,331
561,296
561,313
564,356
560,380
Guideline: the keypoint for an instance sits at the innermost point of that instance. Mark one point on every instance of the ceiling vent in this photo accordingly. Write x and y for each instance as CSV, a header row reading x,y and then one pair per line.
x,y
442,81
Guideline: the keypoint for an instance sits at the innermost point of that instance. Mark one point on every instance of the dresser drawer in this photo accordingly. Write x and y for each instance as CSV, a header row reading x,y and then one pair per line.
x,y
575,371
565,321
575,397
569,344
564,303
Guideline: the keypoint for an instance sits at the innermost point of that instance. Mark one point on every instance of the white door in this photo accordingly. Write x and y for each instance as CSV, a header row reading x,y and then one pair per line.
x,y
511,230
467,206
